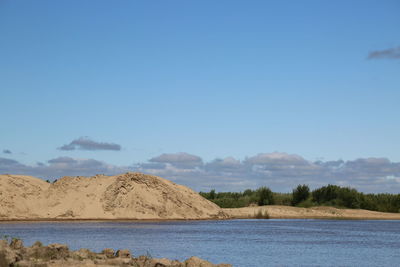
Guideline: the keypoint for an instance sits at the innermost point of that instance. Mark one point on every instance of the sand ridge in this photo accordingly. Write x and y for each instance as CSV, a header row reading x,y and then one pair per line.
x,y
125,196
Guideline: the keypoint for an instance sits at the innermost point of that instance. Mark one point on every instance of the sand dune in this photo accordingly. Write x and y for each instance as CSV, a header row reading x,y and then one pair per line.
x,y
125,196
287,212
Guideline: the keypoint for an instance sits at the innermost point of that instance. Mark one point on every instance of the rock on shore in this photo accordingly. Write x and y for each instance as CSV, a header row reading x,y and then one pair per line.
x,y
125,196
14,253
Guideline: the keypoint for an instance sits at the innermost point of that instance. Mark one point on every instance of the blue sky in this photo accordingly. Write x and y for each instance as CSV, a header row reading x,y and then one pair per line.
x,y
212,79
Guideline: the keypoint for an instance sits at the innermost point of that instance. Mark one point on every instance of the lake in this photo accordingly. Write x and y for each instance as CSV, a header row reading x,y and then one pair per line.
x,y
239,242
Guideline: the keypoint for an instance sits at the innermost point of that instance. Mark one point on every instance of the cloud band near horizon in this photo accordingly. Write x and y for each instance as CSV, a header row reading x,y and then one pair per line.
x,y
280,171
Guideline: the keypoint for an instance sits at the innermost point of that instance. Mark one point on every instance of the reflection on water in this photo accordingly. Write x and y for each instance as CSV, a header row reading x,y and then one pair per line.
x,y
240,242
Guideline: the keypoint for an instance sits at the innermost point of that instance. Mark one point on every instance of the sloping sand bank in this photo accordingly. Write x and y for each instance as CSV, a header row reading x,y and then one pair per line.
x,y
125,196
286,212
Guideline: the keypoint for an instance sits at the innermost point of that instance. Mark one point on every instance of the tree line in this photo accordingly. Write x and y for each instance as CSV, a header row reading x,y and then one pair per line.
x,y
302,196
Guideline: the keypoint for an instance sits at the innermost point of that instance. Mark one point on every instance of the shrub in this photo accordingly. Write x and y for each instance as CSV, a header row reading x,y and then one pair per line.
x,y
306,203
261,214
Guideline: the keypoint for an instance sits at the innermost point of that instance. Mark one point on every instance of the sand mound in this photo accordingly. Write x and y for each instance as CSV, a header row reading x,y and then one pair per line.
x,y
125,196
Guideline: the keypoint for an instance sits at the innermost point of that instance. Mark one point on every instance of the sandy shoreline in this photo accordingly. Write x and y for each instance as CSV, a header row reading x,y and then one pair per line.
x,y
272,212
106,220
329,213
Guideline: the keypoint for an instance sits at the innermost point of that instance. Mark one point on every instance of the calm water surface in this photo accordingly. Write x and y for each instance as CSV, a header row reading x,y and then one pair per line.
x,y
240,242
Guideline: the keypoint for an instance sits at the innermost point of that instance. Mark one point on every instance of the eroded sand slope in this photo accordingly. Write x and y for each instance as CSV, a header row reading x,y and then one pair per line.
x,y
125,196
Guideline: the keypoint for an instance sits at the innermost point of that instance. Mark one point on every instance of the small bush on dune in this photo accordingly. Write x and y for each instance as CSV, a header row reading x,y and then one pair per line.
x,y
306,204
261,214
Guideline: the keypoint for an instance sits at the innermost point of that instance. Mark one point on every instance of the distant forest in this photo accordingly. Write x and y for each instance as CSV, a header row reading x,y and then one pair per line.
x,y
330,195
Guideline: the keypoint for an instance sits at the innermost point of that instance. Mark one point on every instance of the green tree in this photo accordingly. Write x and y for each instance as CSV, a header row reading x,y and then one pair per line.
x,y
248,192
212,194
326,194
300,193
265,196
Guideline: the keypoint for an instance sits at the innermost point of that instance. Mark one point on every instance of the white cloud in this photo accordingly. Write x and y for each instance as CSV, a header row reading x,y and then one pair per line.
x,y
181,160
